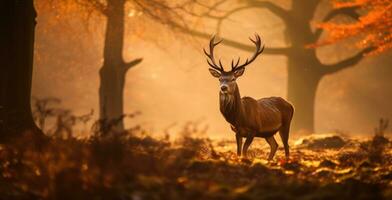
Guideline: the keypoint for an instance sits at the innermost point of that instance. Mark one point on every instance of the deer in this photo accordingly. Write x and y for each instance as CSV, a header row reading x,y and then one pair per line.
x,y
248,117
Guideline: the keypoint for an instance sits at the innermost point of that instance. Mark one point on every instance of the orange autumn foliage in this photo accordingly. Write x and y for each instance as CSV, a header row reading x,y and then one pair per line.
x,y
372,29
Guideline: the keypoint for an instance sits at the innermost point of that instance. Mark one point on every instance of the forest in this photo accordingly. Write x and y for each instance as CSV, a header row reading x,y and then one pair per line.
x,y
135,99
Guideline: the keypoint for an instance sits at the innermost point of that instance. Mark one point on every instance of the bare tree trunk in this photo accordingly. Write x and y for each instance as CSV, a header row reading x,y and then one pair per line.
x,y
112,74
17,47
302,86
303,66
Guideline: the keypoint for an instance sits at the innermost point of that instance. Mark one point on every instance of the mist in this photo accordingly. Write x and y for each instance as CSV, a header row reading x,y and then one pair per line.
x,y
172,85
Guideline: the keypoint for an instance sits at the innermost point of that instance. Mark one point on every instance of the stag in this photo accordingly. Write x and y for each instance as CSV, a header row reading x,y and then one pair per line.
x,y
248,117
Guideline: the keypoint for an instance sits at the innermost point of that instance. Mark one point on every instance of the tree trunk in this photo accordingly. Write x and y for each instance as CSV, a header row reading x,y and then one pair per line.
x,y
112,74
303,65
301,92
16,49
111,93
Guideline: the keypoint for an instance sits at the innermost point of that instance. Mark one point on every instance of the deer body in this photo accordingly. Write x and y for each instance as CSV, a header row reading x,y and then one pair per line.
x,y
249,117
263,118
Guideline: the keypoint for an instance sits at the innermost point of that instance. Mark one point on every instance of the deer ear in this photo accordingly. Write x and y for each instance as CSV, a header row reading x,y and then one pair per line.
x,y
238,72
214,73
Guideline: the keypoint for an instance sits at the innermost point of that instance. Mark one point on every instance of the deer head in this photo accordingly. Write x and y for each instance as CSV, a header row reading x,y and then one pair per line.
x,y
227,79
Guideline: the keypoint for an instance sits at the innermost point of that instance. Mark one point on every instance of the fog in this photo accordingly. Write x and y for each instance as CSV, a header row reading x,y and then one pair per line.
x,y
173,85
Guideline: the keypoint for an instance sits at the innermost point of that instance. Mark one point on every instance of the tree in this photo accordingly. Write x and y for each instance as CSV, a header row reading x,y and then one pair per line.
x,y
17,46
373,29
304,68
113,71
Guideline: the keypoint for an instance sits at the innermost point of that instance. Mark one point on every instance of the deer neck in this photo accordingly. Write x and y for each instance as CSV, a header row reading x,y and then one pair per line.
x,y
231,106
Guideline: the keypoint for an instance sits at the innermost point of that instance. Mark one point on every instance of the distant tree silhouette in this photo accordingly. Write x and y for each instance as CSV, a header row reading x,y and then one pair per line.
x,y
304,68
113,71
16,50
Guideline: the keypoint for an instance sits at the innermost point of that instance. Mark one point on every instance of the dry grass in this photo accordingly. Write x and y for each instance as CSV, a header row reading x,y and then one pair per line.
x,y
131,165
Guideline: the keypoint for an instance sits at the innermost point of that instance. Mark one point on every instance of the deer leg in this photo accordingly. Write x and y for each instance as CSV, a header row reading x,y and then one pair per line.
x,y
247,143
284,135
239,143
274,146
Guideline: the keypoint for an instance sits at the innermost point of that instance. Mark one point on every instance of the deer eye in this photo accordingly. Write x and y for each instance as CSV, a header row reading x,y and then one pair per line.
x,y
233,79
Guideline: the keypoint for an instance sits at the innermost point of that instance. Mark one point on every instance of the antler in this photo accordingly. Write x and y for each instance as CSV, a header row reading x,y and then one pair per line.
x,y
210,55
259,50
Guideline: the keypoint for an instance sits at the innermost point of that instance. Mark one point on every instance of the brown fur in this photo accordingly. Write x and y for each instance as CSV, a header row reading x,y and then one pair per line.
x,y
251,118
248,117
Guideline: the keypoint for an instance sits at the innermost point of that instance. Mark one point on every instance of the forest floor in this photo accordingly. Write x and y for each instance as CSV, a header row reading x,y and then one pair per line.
x,y
136,166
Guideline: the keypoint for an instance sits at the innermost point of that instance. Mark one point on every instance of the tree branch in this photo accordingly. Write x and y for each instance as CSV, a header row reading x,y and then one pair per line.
x,y
254,4
96,5
132,63
227,15
280,12
230,43
349,62
214,7
348,11
251,48
275,9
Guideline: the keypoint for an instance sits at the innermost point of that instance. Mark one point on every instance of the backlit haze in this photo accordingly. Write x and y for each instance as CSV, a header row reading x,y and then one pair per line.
x,y
173,85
